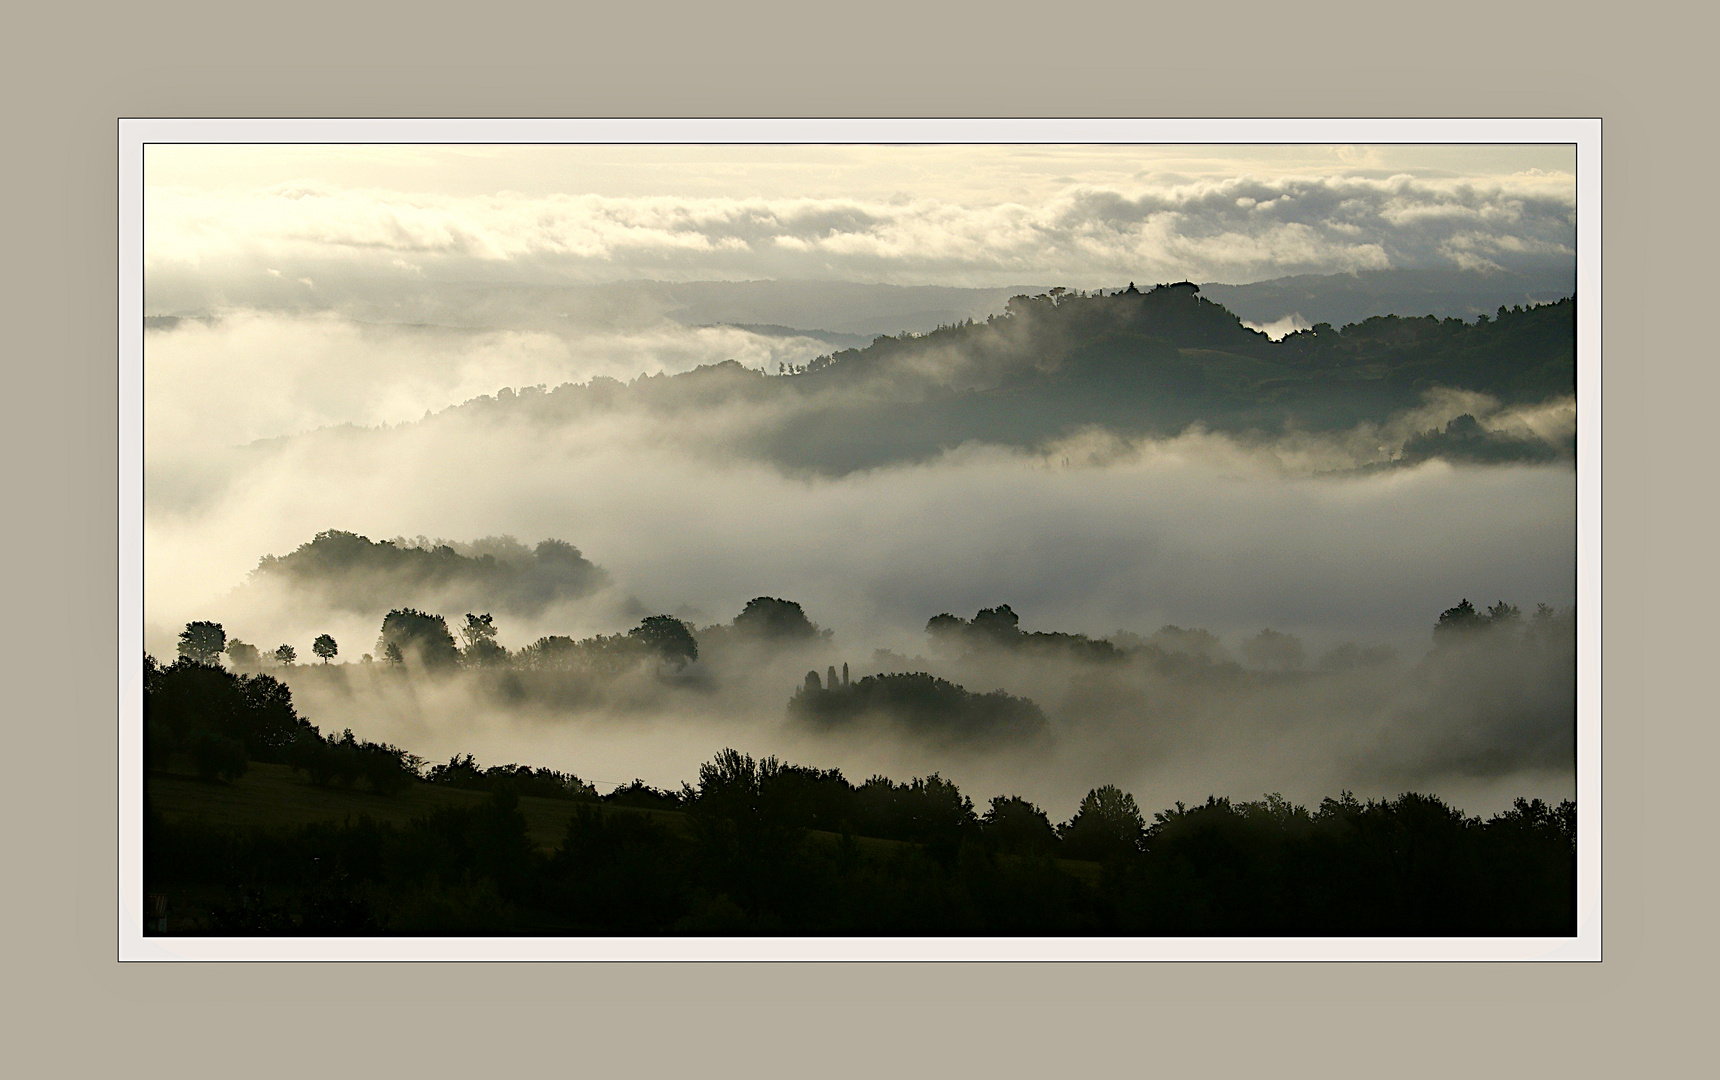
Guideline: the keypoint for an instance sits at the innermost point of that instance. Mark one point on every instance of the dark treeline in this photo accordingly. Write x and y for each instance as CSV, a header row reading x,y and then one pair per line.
x,y
423,641
1133,362
219,721
760,847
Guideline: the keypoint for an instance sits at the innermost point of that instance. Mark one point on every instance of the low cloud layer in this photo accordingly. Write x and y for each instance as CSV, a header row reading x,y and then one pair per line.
x,y
1480,721
1200,531
256,374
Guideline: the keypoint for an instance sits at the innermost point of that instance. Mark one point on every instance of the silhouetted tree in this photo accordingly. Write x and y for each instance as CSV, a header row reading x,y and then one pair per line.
x,y
479,634
285,654
767,618
420,637
1000,624
748,836
243,656
945,625
670,638
325,647
1107,824
202,642
188,700
1457,620
1015,825
1502,612
643,795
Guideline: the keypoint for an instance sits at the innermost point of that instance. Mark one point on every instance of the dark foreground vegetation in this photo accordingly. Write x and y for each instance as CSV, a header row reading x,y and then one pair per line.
x,y
764,847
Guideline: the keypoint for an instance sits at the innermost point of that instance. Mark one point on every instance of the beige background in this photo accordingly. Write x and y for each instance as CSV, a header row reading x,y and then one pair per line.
x,y
70,73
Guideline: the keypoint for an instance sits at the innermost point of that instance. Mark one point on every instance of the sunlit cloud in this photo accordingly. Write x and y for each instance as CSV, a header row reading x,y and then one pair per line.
x,y
1082,235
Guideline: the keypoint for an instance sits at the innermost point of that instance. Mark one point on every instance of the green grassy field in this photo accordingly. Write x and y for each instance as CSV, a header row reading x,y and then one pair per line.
x,y
274,797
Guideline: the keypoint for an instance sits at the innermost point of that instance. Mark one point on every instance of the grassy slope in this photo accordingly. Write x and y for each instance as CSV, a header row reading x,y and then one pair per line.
x,y
274,797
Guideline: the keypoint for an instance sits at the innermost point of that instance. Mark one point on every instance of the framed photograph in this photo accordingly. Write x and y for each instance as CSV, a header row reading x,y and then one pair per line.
x,y
860,540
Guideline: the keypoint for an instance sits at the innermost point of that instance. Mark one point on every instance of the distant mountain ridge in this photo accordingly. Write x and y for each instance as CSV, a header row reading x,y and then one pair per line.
x,y
854,308
1133,363
1341,299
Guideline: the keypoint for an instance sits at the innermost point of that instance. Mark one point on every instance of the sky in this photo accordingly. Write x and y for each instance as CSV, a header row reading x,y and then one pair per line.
x,y
1086,216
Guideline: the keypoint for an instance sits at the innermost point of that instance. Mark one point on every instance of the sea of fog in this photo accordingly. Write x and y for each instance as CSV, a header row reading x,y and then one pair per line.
x,y
1197,531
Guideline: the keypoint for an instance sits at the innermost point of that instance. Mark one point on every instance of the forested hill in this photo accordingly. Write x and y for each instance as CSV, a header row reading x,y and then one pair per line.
x,y
1133,362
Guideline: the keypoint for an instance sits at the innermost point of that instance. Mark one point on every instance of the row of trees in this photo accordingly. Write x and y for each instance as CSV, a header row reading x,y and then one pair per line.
x,y
206,642
423,640
410,636
1269,650
750,853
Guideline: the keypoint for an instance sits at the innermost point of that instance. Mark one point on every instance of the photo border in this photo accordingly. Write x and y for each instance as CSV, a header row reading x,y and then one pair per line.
x,y
137,133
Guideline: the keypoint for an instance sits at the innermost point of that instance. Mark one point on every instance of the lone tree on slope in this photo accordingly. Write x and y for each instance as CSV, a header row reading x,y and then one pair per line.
x,y
479,634
202,642
325,647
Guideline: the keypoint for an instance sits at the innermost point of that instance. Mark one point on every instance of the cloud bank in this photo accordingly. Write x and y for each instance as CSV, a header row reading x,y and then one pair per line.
x,y
1199,531
219,246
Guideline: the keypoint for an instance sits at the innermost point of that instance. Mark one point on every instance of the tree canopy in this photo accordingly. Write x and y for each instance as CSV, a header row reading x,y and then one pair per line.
x,y
354,573
669,638
418,638
1108,824
767,618
202,642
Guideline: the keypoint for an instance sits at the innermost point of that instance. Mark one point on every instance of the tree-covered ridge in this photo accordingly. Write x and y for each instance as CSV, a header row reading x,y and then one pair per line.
x,y
354,573
919,702
1134,363
999,627
1175,338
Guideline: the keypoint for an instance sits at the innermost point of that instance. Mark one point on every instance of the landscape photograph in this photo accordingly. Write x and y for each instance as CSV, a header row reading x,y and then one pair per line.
x,y
910,540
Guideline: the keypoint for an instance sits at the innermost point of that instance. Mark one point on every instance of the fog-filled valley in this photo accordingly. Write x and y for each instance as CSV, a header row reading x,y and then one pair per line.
x,y
845,539
1136,469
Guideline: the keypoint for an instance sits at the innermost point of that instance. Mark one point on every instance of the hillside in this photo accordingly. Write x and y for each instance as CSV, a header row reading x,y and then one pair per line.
x,y
274,797
1132,363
